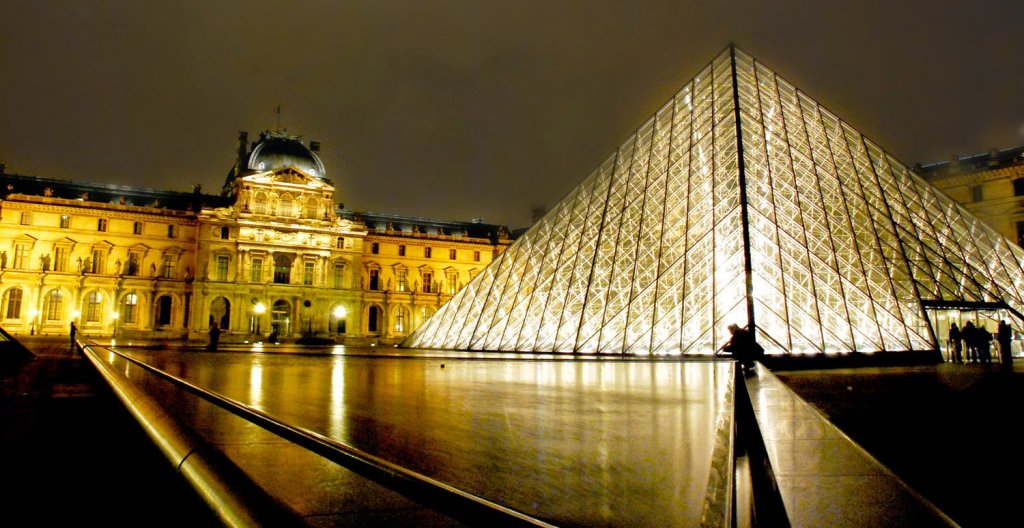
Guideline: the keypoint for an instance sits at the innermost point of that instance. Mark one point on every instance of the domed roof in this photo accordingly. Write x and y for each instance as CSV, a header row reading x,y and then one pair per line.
x,y
276,150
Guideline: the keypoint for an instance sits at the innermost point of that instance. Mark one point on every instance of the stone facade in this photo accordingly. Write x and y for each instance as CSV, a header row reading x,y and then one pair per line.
x,y
990,185
272,254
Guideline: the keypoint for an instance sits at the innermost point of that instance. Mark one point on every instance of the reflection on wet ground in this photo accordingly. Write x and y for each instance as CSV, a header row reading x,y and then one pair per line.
x,y
580,442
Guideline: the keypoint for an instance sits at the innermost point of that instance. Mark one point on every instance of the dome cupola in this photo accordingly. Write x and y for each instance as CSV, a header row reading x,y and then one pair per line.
x,y
277,150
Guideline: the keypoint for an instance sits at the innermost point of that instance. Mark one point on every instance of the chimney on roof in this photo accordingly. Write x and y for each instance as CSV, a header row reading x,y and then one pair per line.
x,y
314,146
993,157
954,164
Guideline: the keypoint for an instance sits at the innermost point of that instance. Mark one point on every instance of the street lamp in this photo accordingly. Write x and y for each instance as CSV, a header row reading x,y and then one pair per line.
x,y
34,314
115,316
340,312
258,309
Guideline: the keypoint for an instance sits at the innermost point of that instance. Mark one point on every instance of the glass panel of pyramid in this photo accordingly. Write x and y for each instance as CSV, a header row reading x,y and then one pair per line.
x,y
741,200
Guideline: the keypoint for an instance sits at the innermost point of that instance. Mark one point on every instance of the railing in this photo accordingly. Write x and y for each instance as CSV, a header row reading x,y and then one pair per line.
x,y
436,495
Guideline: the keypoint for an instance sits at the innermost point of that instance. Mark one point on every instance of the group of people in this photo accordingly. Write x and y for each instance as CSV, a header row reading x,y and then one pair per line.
x,y
973,344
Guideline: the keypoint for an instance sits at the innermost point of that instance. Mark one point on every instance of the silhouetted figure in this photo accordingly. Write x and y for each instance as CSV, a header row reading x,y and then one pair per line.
x,y
1005,337
984,338
214,337
970,341
954,344
743,347
74,330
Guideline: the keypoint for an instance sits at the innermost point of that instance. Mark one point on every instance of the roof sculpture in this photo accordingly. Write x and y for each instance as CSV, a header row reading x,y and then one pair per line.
x,y
742,200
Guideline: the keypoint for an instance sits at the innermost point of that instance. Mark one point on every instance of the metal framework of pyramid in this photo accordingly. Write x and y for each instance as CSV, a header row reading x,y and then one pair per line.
x,y
742,200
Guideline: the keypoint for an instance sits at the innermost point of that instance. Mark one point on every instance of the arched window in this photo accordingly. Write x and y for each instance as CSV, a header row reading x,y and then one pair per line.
x,y
285,205
309,211
129,308
401,319
373,320
54,305
259,205
93,307
12,302
163,310
220,313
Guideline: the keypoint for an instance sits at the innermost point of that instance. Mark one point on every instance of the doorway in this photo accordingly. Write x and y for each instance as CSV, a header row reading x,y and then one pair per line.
x,y
982,315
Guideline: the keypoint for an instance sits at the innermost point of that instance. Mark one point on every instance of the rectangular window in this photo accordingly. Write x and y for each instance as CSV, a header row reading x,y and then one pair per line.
x,y
26,218
171,231
426,252
374,279
97,261
222,267
137,228
1018,187
21,256
167,269
282,271
375,248
400,275
339,275
256,273
427,279
401,250
134,264
60,258
101,224
341,242
92,307
307,273
451,254
453,283
225,232
476,256
976,193
65,221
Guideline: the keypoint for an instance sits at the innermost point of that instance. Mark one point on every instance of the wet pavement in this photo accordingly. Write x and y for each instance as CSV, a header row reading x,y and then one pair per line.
x,y
73,456
576,443
950,431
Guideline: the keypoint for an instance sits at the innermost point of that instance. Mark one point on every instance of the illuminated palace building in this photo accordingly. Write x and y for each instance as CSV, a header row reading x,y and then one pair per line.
x,y
271,253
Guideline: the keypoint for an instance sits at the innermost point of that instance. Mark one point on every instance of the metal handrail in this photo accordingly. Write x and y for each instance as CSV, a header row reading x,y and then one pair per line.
x,y
436,495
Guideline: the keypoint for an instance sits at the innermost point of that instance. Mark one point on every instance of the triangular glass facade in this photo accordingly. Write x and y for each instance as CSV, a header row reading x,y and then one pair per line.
x,y
741,200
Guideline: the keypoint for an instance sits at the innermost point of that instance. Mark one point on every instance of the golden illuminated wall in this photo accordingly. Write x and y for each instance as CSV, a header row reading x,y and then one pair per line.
x,y
787,218
989,194
103,265
416,274
166,273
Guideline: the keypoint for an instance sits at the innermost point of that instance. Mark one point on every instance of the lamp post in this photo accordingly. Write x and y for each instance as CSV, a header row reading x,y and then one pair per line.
x,y
258,310
116,317
34,314
340,312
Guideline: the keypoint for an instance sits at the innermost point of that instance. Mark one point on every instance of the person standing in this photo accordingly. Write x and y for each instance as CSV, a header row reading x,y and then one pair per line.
x,y
955,355
214,337
1005,337
970,342
74,330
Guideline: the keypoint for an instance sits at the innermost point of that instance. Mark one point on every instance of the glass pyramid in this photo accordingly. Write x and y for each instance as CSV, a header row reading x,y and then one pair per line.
x,y
742,200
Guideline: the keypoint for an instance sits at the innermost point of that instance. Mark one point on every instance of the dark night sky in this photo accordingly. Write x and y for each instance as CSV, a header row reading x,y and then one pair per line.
x,y
476,108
